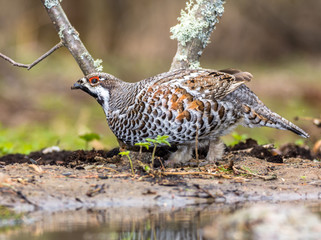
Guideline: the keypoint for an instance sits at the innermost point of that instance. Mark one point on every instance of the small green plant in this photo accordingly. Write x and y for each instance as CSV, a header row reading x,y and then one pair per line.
x,y
237,138
223,169
156,141
88,137
126,153
141,145
248,170
299,142
6,148
144,166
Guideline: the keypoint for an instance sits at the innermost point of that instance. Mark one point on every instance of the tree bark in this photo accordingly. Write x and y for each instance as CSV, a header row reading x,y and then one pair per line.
x,y
193,31
70,37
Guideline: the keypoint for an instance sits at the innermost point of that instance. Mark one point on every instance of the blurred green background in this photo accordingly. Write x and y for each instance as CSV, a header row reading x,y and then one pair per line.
x,y
279,42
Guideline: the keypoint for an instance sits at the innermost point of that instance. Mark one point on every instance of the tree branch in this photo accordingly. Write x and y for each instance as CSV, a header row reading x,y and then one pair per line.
x,y
195,26
193,32
29,66
70,37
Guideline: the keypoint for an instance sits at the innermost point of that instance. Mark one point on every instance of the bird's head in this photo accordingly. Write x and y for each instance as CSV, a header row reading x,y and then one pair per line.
x,y
97,85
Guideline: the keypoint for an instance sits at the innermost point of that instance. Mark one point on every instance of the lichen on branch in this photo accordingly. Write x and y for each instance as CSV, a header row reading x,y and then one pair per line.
x,y
193,31
51,3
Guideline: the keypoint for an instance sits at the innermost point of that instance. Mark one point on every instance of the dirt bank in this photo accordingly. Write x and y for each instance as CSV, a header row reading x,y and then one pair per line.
x,y
85,179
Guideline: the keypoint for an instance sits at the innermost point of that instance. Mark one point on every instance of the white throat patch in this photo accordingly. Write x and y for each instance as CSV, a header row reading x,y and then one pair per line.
x,y
103,97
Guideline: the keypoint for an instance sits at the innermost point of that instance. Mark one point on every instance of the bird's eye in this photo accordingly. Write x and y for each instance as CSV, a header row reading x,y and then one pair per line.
x,y
94,80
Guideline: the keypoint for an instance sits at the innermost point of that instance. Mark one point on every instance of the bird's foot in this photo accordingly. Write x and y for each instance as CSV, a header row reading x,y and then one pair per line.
x,y
181,156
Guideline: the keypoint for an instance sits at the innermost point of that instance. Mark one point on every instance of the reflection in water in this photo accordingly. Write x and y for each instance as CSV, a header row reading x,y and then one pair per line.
x,y
126,223
123,223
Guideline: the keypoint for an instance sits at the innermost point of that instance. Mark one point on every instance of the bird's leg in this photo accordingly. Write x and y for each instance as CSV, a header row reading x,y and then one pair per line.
x,y
182,155
215,151
122,145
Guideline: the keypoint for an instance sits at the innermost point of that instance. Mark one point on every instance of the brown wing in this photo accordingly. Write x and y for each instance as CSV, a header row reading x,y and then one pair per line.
x,y
239,75
206,83
191,89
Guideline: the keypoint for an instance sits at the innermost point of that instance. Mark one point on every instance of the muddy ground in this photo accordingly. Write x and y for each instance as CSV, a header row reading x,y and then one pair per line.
x,y
69,180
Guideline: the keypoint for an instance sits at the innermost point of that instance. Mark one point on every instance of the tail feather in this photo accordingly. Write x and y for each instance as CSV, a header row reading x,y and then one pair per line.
x,y
256,114
298,131
263,116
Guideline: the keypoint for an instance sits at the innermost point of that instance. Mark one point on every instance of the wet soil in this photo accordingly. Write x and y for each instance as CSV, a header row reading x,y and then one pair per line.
x,y
69,180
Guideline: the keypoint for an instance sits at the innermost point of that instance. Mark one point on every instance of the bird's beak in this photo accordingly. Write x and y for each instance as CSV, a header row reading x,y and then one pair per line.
x,y
79,84
75,86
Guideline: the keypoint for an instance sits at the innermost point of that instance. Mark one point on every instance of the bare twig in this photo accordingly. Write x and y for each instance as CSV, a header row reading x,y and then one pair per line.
x,y
98,188
108,168
210,195
162,165
21,195
70,37
204,190
247,172
197,173
194,31
29,66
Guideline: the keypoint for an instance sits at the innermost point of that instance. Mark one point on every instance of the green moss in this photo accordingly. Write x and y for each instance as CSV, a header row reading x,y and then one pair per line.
x,y
98,66
195,65
197,21
51,3
183,57
61,36
86,55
